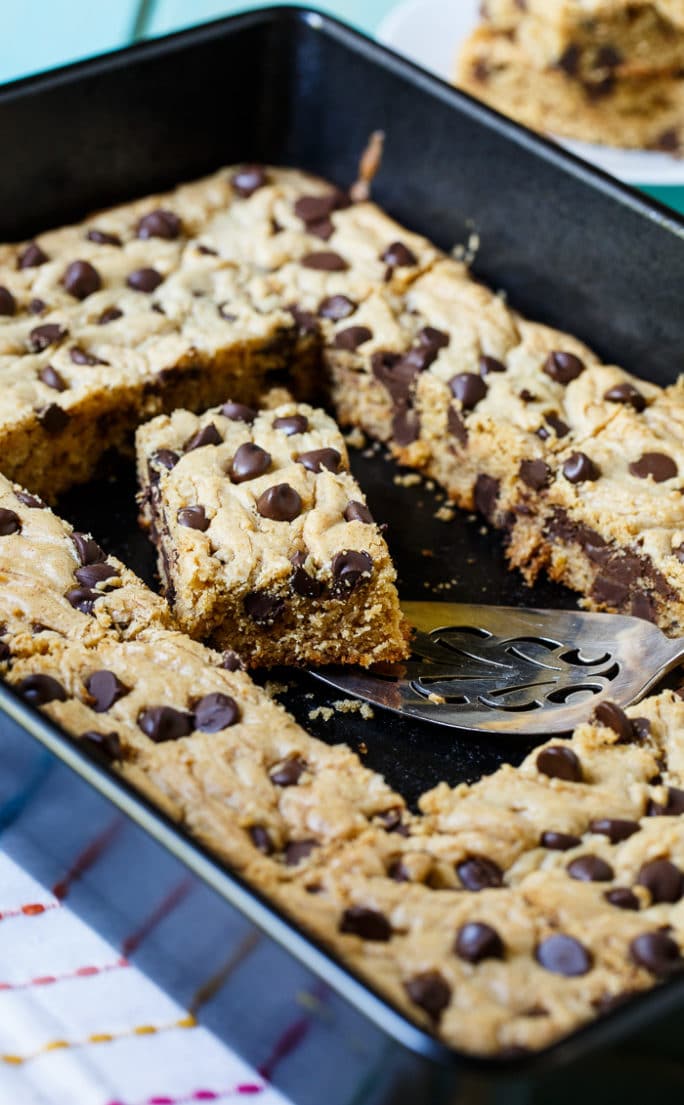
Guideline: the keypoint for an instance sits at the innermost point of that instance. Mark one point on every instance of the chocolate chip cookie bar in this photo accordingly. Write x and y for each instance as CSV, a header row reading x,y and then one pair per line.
x,y
528,903
264,538
595,41
642,109
175,300
54,579
207,745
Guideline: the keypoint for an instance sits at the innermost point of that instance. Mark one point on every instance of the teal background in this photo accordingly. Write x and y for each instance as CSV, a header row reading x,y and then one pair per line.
x,y
40,34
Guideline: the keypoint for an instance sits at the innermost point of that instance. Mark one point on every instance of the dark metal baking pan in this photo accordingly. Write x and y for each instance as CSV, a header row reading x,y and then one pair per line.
x,y
571,247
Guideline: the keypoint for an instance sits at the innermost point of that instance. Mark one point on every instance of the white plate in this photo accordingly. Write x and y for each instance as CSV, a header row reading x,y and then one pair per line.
x,y
430,33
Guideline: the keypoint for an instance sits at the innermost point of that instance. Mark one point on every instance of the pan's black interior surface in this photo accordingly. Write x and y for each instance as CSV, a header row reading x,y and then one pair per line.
x,y
569,247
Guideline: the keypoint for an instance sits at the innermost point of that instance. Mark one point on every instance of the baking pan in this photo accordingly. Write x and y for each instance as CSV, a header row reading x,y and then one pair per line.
x,y
572,248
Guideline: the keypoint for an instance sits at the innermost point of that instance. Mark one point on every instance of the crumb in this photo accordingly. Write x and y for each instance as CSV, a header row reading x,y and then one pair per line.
x,y
411,479
483,531
430,485
438,699
309,695
356,438
471,560
445,514
362,748
427,552
472,517
324,712
353,706
273,689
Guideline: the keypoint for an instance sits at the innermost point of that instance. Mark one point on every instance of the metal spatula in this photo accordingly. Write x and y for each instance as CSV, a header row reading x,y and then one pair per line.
x,y
499,669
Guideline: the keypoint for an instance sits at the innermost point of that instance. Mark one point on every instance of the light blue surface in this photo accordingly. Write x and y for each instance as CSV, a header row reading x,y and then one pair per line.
x,y
41,34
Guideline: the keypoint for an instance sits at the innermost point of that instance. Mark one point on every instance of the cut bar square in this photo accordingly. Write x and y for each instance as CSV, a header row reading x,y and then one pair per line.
x,y
265,543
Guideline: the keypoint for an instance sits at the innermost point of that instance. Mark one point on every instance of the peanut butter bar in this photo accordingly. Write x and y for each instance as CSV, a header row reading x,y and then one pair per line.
x,y
265,541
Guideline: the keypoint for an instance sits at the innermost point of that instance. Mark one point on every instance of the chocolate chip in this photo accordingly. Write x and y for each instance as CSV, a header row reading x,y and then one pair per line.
x,y
563,367
486,495
430,992
263,608
231,661
579,468
9,522
436,339
165,458
238,412
456,426
104,687
261,839
657,952
398,872
105,745
80,356
144,280
626,393
249,462
37,306
32,256
215,712
159,224
312,209
405,426
279,503
289,772
41,337
535,473
610,715
318,459
305,320
563,955
673,806
194,517
366,923
297,850
305,585
8,303
397,255
164,723
559,842
560,428
325,261
110,314
87,549
615,828
560,762
81,279
643,606
479,873
490,364
83,598
92,574
622,898
349,570
590,869
656,465
207,435
476,941
248,180
352,337
292,424
357,512
469,388
30,500
607,57
41,689
51,378
663,880
337,307
53,418
569,60
102,238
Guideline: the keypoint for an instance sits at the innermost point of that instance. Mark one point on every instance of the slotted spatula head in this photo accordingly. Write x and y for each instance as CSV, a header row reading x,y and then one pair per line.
x,y
499,669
